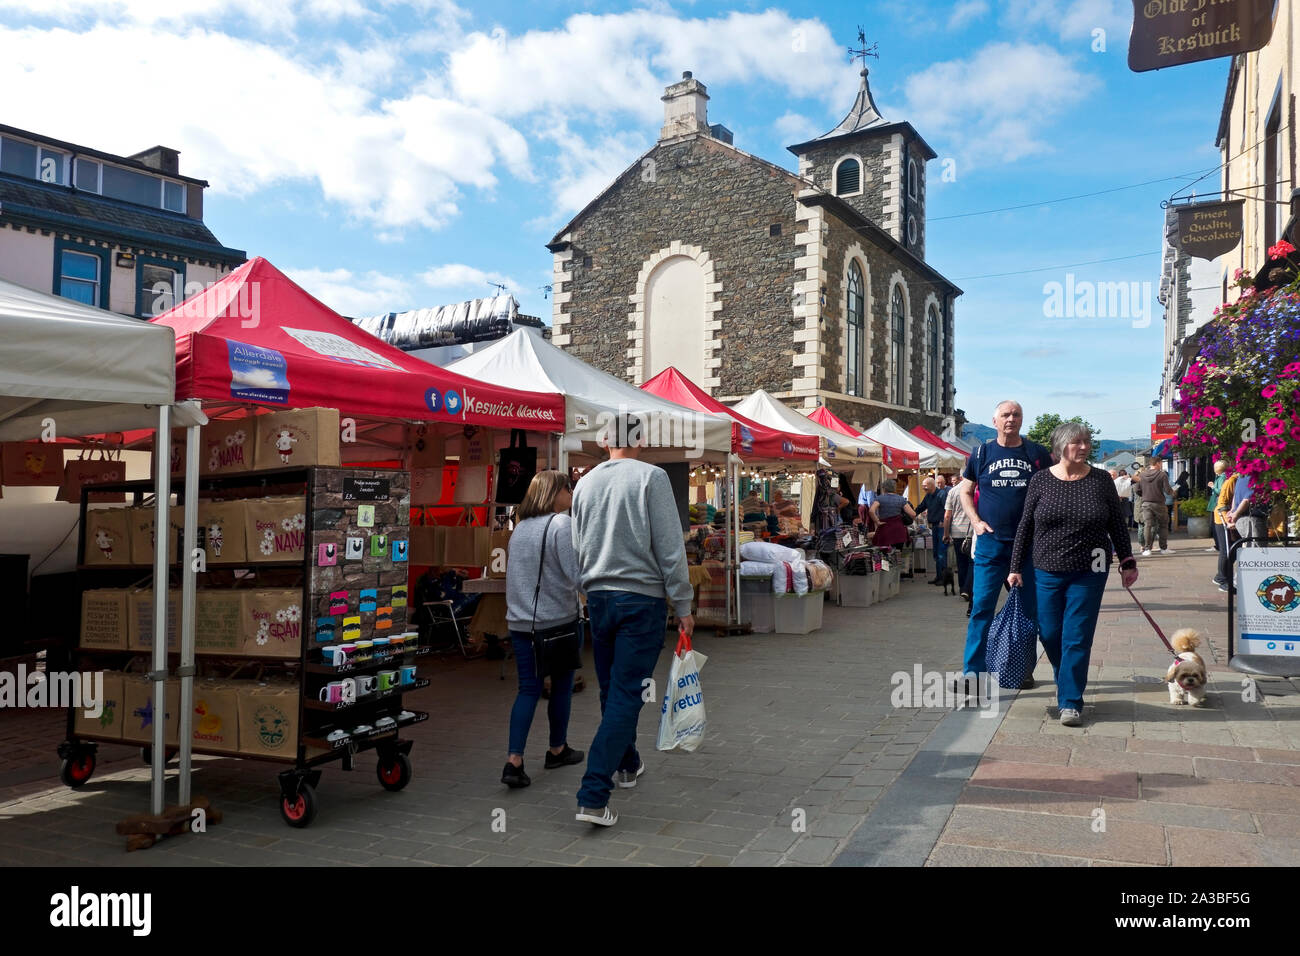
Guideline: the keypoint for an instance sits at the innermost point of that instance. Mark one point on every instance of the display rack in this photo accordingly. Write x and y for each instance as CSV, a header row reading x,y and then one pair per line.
x,y
326,731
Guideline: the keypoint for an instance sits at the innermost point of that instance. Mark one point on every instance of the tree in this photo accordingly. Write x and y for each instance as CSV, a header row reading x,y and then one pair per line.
x,y
1045,424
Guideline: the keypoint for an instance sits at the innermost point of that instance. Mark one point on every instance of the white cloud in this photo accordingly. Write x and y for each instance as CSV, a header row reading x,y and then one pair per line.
x,y
967,11
459,275
356,294
1072,19
397,162
795,128
993,106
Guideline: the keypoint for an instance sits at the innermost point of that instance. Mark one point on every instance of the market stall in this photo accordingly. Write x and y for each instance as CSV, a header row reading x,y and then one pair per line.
x,y
296,392
68,370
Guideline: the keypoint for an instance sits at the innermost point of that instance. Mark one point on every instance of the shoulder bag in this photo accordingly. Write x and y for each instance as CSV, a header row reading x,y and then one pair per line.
x,y
557,650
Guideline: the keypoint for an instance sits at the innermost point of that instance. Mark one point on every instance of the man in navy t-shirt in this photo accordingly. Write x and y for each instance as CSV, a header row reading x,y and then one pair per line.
x,y
1000,469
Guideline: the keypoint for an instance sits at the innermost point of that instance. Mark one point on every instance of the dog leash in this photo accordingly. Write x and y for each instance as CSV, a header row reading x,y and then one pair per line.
x,y
1159,633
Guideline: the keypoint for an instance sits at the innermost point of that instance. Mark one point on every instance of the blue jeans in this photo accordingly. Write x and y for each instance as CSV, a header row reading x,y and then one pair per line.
x,y
940,550
991,565
627,636
1068,605
530,692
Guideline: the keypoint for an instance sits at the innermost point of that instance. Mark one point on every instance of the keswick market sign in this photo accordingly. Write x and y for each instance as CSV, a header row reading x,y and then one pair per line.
x,y
1173,32
1207,230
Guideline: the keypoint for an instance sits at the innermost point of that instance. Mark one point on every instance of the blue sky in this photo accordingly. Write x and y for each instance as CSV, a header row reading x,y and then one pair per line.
x,y
392,154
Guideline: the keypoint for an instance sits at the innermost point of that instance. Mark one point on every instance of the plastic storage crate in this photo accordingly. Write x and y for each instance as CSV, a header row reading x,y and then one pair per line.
x,y
859,590
798,613
889,583
756,603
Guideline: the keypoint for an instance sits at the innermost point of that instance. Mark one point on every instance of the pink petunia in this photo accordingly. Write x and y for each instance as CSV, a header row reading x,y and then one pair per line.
x,y
1213,411
1269,391
1274,426
1277,484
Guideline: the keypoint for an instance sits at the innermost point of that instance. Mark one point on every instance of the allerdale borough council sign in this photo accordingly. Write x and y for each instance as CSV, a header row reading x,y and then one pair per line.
x,y
1206,230
1173,32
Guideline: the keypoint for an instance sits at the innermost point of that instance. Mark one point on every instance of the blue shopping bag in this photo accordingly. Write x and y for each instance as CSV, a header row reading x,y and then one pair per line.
x,y
1012,646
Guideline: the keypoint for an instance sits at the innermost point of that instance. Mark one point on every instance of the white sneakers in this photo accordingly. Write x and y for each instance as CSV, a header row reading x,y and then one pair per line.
x,y
1146,553
601,817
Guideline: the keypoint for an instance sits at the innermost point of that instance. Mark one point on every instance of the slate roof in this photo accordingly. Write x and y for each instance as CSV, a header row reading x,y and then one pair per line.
x,y
92,216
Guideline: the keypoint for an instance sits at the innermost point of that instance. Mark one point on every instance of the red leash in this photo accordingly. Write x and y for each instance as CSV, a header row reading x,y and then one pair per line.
x,y
1159,633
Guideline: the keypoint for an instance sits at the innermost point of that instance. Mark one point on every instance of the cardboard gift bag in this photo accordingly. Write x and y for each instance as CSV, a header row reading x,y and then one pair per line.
x,y
466,547
139,616
32,463
271,623
215,722
426,486
428,544
218,621
225,447
275,529
142,533
307,436
223,528
82,471
103,618
109,722
498,554
108,537
268,719
140,711
424,450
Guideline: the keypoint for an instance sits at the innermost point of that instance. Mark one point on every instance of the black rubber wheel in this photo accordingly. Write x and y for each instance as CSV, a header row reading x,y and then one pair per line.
x,y
76,770
302,811
394,774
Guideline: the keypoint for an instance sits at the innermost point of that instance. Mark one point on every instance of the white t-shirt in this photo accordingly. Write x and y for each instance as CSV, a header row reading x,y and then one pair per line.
x,y
1123,485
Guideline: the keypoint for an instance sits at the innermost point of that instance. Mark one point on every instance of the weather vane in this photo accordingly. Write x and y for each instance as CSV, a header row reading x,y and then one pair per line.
x,y
865,51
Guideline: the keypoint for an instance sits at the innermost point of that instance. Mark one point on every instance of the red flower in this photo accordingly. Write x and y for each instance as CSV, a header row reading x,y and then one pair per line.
x,y
1277,484
1281,250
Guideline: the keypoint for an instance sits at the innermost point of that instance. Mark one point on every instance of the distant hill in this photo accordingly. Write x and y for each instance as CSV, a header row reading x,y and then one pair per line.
x,y
1106,447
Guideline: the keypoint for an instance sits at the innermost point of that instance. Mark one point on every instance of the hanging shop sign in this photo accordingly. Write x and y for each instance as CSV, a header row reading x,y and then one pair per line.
x,y
1206,230
1174,32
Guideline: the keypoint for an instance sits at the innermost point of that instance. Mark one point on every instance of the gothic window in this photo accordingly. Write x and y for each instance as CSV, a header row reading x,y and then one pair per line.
x,y
897,346
912,177
853,374
932,359
848,177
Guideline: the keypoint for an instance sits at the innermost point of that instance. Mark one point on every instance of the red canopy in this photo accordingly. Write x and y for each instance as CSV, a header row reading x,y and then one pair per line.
x,y
749,440
923,433
893,457
257,337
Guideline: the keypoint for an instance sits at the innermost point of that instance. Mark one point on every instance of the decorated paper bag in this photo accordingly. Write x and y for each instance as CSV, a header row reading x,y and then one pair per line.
x,y
428,544
140,710
109,722
426,486
466,547
271,623
32,463
80,472
225,447
108,537
268,719
142,534
275,529
307,436
215,722
218,621
103,618
139,616
223,526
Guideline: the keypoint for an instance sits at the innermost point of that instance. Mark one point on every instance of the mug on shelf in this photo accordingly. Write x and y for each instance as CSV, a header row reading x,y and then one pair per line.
x,y
388,679
408,674
336,655
366,684
339,692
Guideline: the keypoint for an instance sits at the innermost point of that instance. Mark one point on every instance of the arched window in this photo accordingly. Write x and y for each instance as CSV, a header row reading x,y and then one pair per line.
x,y
911,179
853,309
932,340
897,346
848,177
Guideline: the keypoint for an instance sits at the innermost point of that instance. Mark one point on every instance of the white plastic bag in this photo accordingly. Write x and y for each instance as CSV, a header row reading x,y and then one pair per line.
x,y
681,719
770,553
753,569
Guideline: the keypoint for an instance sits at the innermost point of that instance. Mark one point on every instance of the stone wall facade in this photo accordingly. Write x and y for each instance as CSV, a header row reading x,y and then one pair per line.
x,y
817,164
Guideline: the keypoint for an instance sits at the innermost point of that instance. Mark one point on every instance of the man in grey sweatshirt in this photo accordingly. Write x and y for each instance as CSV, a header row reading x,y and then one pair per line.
x,y
631,562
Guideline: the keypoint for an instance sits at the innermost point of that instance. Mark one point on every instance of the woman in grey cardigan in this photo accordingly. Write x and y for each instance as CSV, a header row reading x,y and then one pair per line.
x,y
555,605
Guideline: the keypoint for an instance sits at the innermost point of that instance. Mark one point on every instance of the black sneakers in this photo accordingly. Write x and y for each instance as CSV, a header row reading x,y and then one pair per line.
x,y
564,758
514,777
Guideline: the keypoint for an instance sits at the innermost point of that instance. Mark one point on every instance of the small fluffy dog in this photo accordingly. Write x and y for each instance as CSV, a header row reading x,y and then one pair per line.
x,y
1186,678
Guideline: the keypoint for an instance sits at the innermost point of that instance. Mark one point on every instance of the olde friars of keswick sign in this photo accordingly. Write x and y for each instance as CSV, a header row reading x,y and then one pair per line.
x,y
1173,32
1207,230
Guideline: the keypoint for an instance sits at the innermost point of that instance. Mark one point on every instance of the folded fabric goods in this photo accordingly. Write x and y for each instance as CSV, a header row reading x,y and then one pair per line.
x,y
820,575
765,551
754,569
713,594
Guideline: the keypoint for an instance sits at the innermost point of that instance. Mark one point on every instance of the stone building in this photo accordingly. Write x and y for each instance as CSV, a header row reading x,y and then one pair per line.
x,y
744,275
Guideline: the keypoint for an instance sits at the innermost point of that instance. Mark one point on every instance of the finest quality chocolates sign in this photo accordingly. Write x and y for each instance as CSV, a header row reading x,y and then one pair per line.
x,y
1173,32
1207,230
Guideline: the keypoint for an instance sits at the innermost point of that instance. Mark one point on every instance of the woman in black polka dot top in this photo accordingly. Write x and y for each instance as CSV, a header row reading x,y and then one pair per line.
x,y
1073,520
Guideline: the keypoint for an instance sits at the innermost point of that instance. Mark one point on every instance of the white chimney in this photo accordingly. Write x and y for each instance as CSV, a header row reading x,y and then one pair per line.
x,y
685,108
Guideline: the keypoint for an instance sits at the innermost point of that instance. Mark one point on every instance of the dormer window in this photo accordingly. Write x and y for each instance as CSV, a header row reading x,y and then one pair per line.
x,y
912,177
848,177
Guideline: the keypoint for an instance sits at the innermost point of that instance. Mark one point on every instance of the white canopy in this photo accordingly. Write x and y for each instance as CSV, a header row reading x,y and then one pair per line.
x,y
887,432
592,398
841,452
89,370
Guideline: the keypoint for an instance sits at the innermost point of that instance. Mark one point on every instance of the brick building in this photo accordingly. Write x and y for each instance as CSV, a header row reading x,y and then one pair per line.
x,y
744,275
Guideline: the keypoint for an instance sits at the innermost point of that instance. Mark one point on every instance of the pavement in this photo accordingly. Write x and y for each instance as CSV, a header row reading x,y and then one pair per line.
x,y
811,759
